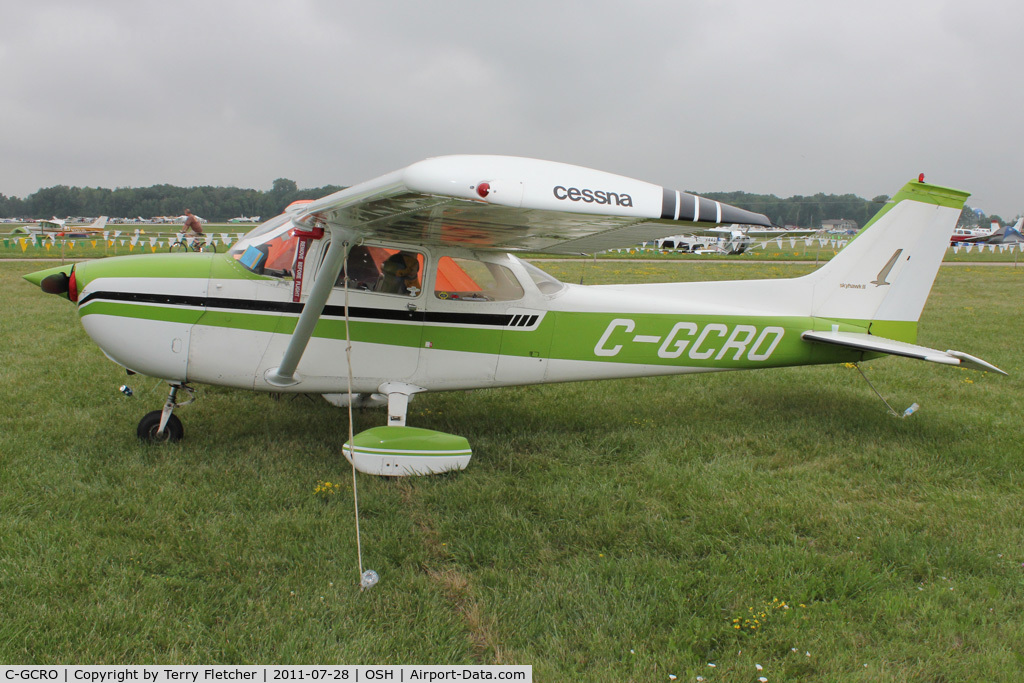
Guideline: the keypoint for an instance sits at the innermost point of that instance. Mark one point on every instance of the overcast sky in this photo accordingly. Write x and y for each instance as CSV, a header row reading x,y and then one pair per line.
x,y
781,97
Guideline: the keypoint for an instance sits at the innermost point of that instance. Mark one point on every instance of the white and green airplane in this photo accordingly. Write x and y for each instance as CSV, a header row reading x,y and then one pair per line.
x,y
411,273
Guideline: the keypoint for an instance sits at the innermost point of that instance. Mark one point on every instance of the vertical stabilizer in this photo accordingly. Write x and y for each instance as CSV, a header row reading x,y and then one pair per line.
x,y
886,272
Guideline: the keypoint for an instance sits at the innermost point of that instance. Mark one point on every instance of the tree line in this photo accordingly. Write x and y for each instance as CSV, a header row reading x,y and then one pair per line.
x,y
215,204
809,212
219,204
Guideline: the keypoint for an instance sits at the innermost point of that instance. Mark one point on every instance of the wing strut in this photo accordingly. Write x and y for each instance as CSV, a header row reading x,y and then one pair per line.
x,y
284,374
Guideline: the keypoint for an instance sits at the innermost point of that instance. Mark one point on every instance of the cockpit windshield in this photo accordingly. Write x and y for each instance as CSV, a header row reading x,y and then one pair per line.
x,y
547,284
269,249
263,229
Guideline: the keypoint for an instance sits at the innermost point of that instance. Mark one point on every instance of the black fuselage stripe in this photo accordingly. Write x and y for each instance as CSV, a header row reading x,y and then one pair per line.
x,y
288,307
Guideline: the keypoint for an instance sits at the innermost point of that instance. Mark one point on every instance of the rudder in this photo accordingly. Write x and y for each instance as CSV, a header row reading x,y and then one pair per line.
x,y
884,275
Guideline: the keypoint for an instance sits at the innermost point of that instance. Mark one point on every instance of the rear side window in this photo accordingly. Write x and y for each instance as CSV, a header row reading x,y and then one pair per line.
x,y
461,279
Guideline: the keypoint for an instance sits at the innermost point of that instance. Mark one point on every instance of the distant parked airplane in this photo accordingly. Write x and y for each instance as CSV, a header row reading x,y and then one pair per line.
x,y
973,234
58,227
999,235
731,239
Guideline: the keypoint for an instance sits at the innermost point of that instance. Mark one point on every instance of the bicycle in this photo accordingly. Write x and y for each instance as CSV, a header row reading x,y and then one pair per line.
x,y
185,244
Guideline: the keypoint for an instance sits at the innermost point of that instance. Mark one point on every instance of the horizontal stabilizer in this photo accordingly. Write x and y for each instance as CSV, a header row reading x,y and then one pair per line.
x,y
869,342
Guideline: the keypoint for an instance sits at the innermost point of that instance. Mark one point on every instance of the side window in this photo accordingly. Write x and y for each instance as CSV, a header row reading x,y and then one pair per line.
x,y
389,271
461,279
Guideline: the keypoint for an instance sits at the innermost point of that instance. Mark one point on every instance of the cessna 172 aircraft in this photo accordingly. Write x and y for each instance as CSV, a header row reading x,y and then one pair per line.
x,y
58,227
413,272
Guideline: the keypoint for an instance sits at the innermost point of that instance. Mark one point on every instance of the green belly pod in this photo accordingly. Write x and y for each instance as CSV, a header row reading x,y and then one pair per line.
x,y
407,451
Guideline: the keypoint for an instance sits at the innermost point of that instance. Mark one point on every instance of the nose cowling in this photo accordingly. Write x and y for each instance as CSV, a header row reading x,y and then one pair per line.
x,y
139,309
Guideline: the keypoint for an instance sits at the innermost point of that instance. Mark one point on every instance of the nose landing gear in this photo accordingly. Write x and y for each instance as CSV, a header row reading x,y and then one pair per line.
x,y
163,426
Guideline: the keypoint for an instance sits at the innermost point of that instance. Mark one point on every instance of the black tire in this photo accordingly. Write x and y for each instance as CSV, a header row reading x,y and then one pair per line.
x,y
209,248
178,247
149,425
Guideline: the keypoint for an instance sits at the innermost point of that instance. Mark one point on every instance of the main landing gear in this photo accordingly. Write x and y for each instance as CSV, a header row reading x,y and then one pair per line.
x,y
400,451
162,426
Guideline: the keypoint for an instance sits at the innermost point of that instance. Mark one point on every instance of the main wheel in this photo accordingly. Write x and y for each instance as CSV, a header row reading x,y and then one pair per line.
x,y
150,425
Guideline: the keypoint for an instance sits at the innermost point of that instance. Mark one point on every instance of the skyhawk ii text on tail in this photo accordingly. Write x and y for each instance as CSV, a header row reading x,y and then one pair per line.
x,y
415,270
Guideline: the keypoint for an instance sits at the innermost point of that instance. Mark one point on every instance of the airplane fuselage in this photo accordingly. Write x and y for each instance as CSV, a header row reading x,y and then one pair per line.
x,y
206,318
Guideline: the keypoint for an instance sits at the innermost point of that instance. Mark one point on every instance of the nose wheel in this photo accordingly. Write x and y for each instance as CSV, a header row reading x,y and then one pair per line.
x,y
149,428
163,426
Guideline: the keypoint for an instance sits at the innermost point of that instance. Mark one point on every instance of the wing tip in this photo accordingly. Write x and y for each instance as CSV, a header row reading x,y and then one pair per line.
x,y
970,362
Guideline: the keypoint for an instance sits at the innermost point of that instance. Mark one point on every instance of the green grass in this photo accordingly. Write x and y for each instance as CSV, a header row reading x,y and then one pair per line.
x,y
610,531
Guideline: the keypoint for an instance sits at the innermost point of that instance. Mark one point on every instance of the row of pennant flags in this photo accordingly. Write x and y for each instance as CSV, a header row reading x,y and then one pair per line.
x,y
112,238
967,248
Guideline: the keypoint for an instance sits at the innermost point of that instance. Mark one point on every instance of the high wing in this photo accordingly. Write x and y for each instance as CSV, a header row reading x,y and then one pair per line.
x,y
492,203
869,342
515,204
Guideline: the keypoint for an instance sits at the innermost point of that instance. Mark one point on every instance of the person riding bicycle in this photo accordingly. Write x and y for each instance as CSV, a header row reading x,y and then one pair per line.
x,y
198,241
192,223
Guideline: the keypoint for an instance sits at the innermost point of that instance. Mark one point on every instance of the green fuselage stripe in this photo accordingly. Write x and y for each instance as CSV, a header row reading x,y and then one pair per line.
x,y
647,339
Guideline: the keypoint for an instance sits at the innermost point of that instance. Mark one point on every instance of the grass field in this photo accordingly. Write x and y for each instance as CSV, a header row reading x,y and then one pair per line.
x,y
615,531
